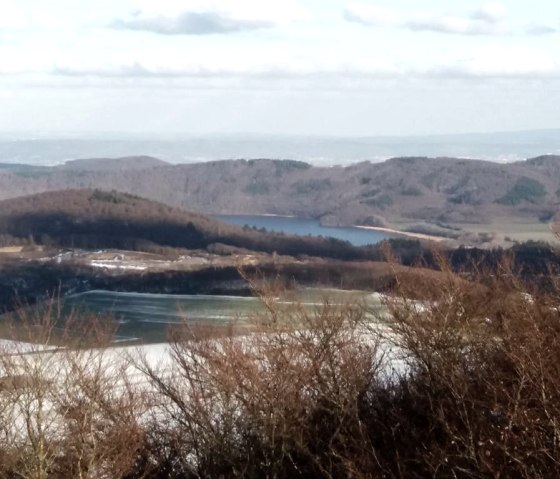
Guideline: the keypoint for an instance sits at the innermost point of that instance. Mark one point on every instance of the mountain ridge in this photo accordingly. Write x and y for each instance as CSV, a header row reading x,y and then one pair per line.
x,y
435,191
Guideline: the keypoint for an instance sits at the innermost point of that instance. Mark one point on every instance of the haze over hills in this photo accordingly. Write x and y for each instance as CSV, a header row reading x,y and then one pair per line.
x,y
443,193
50,149
109,164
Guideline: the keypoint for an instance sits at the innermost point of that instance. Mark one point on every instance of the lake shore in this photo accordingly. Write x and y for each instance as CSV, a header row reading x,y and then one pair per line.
x,y
291,225
409,234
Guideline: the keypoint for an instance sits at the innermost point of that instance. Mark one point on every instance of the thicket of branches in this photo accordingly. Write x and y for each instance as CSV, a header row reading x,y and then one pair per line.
x,y
464,384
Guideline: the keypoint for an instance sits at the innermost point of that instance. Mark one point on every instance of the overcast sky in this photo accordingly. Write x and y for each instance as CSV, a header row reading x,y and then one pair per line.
x,y
332,67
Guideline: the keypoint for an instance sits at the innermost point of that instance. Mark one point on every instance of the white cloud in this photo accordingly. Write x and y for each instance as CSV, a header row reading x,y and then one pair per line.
x,y
511,61
490,13
251,10
456,25
488,19
500,61
257,63
61,65
281,67
370,14
210,17
190,23
14,19
307,51
536,29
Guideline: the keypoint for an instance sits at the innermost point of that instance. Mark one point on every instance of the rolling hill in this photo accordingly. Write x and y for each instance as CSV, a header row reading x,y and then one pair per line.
x,y
435,191
94,219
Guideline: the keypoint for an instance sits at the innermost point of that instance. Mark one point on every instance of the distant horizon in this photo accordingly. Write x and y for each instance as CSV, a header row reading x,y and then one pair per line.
x,y
47,149
29,135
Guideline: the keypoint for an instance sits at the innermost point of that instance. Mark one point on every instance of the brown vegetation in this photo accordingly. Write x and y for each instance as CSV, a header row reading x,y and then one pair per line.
x,y
466,385
65,409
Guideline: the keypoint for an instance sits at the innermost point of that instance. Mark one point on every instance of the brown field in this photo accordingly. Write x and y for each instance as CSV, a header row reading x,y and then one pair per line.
x,y
11,249
503,231
508,231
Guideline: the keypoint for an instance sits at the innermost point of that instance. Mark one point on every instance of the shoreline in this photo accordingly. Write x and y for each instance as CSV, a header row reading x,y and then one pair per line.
x,y
266,215
409,234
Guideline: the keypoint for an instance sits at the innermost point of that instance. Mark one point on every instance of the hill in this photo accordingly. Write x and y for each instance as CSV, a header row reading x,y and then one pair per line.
x,y
437,192
95,219
113,164
90,222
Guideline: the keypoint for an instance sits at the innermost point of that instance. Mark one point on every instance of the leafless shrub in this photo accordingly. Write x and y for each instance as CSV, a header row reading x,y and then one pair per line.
x,y
66,410
281,402
303,392
481,396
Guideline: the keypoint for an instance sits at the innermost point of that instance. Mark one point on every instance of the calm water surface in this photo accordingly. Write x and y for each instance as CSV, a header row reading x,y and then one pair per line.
x,y
148,317
304,227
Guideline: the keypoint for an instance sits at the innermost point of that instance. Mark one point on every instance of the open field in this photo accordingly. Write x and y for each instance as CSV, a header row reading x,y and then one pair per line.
x,y
504,231
507,231
405,233
11,249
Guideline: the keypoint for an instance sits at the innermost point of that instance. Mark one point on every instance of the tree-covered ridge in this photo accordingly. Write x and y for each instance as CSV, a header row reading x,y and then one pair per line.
x,y
525,189
429,190
108,219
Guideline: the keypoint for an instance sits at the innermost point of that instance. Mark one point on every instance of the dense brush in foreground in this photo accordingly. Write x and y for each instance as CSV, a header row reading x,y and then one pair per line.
x,y
466,385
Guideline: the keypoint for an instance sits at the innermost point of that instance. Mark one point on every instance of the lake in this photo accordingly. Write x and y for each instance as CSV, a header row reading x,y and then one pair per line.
x,y
148,317
304,227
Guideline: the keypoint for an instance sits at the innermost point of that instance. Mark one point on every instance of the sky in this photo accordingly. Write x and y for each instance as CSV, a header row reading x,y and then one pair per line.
x,y
285,67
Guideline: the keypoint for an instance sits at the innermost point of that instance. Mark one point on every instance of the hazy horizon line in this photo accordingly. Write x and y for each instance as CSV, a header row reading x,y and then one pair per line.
x,y
174,135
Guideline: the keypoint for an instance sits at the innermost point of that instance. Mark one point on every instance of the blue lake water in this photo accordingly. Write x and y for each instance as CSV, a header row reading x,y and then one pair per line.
x,y
304,227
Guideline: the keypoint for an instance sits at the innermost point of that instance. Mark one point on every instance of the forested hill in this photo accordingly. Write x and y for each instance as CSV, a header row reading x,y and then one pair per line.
x,y
100,219
437,190
110,164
